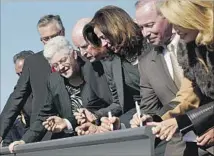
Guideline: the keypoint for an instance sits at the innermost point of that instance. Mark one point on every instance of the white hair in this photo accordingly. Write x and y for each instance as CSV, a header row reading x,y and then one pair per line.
x,y
55,45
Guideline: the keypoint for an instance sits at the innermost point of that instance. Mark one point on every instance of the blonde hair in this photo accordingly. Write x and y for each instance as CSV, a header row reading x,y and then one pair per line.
x,y
191,14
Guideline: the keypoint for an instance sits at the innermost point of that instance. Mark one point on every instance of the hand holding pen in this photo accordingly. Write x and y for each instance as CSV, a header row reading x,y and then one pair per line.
x,y
138,112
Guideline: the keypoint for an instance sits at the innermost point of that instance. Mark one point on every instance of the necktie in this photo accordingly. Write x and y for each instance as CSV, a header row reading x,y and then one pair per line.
x,y
177,70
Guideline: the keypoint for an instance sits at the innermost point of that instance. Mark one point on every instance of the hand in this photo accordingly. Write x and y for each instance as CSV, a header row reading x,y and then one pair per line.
x,y
107,122
83,115
55,124
87,128
135,121
165,129
206,139
15,143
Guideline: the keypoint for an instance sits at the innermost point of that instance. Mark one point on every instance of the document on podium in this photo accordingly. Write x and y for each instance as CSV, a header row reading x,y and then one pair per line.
x,y
190,137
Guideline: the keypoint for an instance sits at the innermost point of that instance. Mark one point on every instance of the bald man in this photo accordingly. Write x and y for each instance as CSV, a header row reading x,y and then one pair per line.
x,y
102,90
79,41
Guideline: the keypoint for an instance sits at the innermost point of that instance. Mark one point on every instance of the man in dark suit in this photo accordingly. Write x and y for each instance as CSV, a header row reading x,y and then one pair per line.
x,y
23,120
33,78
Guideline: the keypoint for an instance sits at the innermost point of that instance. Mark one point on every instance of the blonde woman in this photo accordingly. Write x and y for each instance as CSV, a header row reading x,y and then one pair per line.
x,y
193,21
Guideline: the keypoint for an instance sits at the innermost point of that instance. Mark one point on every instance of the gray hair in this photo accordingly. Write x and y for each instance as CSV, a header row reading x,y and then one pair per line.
x,y
22,55
156,3
47,19
55,45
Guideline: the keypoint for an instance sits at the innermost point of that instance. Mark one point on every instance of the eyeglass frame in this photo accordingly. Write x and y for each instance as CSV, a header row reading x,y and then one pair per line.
x,y
62,62
47,38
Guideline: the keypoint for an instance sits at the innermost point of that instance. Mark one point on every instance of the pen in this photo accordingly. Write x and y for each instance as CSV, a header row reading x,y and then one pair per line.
x,y
110,116
138,112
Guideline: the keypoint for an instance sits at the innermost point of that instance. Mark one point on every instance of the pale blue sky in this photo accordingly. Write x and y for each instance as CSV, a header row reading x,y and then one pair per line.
x,y
18,29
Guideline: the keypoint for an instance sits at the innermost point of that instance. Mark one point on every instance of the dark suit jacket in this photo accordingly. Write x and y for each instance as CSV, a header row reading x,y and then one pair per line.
x,y
157,86
123,79
99,97
27,110
33,80
59,103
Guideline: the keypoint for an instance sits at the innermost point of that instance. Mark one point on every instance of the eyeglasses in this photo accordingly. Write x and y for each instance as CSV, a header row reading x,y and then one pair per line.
x,y
47,38
63,62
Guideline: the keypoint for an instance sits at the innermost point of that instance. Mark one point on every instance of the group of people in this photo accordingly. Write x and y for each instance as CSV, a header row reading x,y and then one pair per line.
x,y
163,60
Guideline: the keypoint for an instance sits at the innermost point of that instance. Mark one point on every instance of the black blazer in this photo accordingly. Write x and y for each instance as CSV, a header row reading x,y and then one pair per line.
x,y
156,85
123,79
27,110
59,103
98,97
33,80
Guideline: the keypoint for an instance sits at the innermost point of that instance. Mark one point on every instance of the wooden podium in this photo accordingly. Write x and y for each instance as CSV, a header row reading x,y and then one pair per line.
x,y
128,142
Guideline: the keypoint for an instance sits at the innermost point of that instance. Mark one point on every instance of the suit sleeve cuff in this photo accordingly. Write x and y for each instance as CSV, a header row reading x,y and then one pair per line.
x,y
184,123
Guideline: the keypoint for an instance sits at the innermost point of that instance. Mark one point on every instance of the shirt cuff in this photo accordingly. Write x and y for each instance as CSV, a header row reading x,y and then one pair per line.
x,y
69,126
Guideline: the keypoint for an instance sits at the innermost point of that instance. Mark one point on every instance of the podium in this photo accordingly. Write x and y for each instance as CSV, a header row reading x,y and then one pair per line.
x,y
127,142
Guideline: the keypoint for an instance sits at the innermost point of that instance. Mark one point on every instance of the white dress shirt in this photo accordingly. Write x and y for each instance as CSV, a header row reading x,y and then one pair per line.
x,y
167,51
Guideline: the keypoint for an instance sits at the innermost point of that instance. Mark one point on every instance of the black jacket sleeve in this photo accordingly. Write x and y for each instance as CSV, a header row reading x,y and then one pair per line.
x,y
199,120
37,130
57,103
115,106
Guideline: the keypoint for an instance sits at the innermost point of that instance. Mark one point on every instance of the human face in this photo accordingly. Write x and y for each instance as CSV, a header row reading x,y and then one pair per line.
x,y
65,64
49,31
105,41
153,26
89,51
84,47
19,66
187,35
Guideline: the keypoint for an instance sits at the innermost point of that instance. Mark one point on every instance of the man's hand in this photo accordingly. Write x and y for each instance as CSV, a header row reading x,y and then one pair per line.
x,y
15,143
107,122
55,124
206,139
83,116
165,129
135,121
87,128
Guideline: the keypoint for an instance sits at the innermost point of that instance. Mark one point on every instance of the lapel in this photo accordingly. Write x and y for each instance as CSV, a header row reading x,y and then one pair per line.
x,y
118,78
160,63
